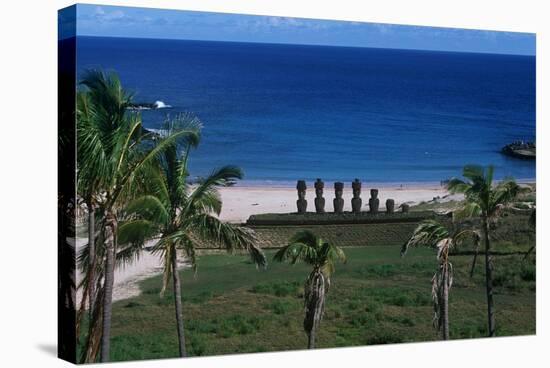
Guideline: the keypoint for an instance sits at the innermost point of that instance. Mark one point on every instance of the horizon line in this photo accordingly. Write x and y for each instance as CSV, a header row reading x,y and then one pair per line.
x,y
298,44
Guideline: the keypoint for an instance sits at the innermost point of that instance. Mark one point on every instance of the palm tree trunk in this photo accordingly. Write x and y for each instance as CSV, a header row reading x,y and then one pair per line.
x,y
489,279
472,269
91,264
445,305
110,252
177,301
311,339
315,304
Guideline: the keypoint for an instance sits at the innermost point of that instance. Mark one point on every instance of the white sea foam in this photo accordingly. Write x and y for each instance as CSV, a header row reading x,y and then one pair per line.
x,y
161,105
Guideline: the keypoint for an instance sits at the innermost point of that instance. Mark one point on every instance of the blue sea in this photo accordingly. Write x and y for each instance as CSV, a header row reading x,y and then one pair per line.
x,y
288,112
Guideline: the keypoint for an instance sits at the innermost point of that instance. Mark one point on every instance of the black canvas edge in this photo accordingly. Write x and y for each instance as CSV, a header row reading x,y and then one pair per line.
x,y
66,124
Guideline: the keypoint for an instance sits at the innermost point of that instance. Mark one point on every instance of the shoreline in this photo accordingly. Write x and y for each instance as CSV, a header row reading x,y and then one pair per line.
x,y
240,202
329,184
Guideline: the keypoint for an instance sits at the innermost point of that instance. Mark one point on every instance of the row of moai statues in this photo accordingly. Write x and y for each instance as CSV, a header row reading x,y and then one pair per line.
x,y
338,201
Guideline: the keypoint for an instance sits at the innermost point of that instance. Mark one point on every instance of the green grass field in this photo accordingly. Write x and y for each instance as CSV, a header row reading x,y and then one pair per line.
x,y
376,298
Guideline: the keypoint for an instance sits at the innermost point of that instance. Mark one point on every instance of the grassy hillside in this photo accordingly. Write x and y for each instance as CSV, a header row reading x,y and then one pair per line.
x,y
376,298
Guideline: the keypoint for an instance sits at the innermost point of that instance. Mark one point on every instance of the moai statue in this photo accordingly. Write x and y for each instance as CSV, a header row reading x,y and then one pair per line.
x,y
404,208
356,201
374,202
319,200
390,206
338,201
301,203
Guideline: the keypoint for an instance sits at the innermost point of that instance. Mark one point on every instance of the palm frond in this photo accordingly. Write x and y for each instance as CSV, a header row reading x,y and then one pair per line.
x,y
128,253
305,246
229,236
505,192
306,237
137,231
189,246
427,233
183,121
455,185
106,91
127,137
208,202
330,254
473,172
150,208
297,252
151,155
460,236
468,210
220,177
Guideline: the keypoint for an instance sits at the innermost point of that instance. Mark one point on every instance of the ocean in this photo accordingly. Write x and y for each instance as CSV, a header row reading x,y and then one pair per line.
x,y
288,112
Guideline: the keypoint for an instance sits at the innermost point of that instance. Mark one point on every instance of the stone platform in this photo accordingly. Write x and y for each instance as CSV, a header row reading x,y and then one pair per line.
x,y
346,229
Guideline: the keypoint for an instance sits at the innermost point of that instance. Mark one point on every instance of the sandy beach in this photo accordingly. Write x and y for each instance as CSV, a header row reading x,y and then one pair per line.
x,y
241,202
127,278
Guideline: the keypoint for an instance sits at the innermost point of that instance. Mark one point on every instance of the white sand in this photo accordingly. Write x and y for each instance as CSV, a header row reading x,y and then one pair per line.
x,y
127,278
241,202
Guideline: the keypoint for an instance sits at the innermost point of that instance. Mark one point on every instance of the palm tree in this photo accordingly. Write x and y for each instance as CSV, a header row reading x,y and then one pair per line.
x,y
486,201
184,216
307,247
433,234
89,190
112,149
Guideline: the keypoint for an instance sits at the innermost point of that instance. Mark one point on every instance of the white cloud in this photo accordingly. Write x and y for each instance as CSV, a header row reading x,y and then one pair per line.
x,y
103,16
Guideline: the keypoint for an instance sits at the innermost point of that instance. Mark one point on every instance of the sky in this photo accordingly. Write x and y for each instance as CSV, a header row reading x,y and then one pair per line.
x,y
115,21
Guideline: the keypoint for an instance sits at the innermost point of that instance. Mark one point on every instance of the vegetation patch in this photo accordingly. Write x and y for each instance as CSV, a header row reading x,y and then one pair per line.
x,y
281,306
284,288
261,310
